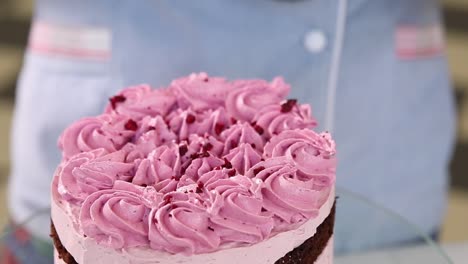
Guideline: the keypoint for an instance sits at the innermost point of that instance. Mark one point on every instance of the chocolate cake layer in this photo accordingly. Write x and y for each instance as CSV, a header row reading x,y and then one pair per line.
x,y
310,250
306,253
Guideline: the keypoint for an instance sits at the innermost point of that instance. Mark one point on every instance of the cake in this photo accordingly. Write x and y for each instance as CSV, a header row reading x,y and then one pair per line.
x,y
205,170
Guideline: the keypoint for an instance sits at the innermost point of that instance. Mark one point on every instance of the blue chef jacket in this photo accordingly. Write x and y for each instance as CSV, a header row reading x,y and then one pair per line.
x,y
393,113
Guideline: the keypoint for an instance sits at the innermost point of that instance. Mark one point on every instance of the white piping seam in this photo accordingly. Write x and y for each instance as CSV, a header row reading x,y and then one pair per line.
x,y
335,65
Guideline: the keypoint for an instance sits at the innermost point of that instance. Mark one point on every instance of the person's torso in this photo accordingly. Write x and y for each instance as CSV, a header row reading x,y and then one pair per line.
x,y
393,116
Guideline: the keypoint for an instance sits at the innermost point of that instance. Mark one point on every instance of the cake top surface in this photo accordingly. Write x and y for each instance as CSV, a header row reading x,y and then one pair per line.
x,y
201,165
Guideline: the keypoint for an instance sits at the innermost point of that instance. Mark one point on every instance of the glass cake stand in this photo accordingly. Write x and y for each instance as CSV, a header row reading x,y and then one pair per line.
x,y
419,249
424,251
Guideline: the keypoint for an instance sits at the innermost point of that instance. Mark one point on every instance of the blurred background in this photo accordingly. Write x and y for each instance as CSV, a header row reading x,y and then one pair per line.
x,y
14,25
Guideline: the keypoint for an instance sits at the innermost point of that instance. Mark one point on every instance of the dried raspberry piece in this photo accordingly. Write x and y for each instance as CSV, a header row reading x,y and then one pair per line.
x,y
231,173
200,155
227,164
131,125
218,128
183,150
200,187
259,129
233,144
288,105
168,199
190,119
116,99
207,147
195,156
258,169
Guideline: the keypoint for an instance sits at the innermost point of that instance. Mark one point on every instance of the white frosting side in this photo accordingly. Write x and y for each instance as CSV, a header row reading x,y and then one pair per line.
x,y
57,260
327,255
87,251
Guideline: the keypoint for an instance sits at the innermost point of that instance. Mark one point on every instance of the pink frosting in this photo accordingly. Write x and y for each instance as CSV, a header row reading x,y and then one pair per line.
x,y
187,122
91,171
201,165
180,124
104,131
243,157
200,91
275,120
249,96
140,101
311,153
288,196
154,131
236,206
241,133
207,143
118,217
182,225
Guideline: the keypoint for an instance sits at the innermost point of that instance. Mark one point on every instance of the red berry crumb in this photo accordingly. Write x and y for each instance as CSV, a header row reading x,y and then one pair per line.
x,y
231,173
207,147
183,150
233,144
259,129
195,156
199,188
190,119
227,164
200,155
168,199
258,169
288,105
218,128
116,99
131,125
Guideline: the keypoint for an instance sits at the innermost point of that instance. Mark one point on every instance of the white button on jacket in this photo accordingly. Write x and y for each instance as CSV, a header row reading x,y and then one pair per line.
x,y
315,41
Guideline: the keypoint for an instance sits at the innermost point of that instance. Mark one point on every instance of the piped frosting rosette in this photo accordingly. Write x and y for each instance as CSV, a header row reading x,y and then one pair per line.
x,y
203,164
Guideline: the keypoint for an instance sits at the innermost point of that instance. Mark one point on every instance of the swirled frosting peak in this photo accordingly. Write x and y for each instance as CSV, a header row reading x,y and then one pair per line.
x,y
199,166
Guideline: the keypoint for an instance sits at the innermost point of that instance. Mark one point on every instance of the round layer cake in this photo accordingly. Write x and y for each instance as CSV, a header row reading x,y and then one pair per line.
x,y
205,170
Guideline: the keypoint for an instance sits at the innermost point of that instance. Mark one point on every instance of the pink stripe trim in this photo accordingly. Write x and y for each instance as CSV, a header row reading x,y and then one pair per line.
x,y
70,41
413,42
46,49
422,53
